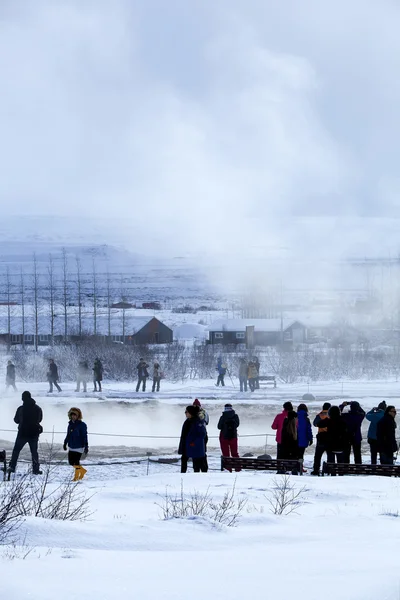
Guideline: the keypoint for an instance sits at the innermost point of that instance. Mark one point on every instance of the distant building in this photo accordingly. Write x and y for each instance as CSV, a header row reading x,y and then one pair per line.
x,y
151,305
267,332
123,305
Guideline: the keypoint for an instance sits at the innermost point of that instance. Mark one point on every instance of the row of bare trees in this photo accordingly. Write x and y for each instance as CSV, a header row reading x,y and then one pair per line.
x,y
58,298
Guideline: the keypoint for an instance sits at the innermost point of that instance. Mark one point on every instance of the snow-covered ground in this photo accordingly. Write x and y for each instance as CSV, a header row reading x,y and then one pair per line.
x,y
341,543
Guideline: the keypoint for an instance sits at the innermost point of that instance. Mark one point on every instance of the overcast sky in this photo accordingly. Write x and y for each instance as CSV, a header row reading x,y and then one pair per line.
x,y
196,121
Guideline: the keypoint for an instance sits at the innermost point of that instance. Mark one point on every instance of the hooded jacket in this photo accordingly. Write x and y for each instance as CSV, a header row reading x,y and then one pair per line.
x,y
28,417
386,435
228,424
353,420
337,435
77,438
195,446
278,424
304,431
374,416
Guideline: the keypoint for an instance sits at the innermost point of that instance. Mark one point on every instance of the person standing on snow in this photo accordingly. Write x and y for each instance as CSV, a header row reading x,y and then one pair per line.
x,y
353,417
52,376
205,419
252,375
228,438
191,444
10,376
304,431
143,374
243,370
337,440
278,424
156,377
97,374
289,439
76,441
256,363
321,437
374,416
28,418
386,436
221,368
82,376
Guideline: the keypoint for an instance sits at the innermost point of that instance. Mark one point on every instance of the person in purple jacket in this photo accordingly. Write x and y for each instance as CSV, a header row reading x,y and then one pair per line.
x,y
304,431
353,415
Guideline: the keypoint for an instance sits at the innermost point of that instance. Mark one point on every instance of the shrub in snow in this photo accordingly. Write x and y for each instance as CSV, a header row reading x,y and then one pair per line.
x,y
197,504
284,498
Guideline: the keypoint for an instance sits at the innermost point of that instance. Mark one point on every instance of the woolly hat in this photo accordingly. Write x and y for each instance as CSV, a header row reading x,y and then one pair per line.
x,y
228,407
192,410
77,411
26,396
196,402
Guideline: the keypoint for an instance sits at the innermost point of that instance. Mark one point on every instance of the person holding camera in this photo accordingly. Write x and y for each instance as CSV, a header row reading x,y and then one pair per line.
x,y
374,416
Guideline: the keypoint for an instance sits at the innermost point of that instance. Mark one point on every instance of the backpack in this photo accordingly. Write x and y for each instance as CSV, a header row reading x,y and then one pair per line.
x,y
230,431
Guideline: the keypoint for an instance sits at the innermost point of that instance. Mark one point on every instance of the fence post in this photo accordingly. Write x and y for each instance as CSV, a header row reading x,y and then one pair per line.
x,y
148,454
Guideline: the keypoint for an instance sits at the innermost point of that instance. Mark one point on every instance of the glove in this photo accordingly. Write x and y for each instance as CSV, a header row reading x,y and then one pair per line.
x,y
64,446
86,451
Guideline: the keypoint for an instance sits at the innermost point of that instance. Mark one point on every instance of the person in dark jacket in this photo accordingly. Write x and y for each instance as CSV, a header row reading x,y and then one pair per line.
x,y
228,438
337,439
256,363
221,368
182,441
195,446
191,444
28,418
290,448
143,374
76,441
52,376
97,374
320,448
10,376
386,436
374,416
304,431
353,417
243,369
205,419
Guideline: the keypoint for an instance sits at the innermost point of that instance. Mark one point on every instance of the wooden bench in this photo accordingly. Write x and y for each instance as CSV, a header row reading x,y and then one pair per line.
x,y
351,469
266,379
3,459
262,464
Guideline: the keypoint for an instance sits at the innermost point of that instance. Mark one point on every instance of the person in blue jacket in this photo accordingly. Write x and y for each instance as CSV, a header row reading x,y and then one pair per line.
x,y
374,416
76,441
304,431
196,433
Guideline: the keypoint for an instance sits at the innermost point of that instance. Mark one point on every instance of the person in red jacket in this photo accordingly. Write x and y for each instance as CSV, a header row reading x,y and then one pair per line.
x,y
278,424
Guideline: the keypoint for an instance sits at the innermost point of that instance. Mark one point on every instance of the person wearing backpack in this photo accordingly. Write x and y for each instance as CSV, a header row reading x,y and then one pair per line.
x,y
228,438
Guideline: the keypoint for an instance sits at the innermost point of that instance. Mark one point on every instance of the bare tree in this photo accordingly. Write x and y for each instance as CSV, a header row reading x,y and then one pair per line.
x,y
52,291
108,304
94,291
35,285
123,300
8,294
65,291
22,296
79,292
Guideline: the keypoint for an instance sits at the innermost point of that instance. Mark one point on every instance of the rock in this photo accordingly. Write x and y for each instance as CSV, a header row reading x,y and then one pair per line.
x,y
308,397
265,456
248,455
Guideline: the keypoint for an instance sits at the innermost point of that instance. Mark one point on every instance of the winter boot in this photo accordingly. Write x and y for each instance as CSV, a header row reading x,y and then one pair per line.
x,y
82,472
77,470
